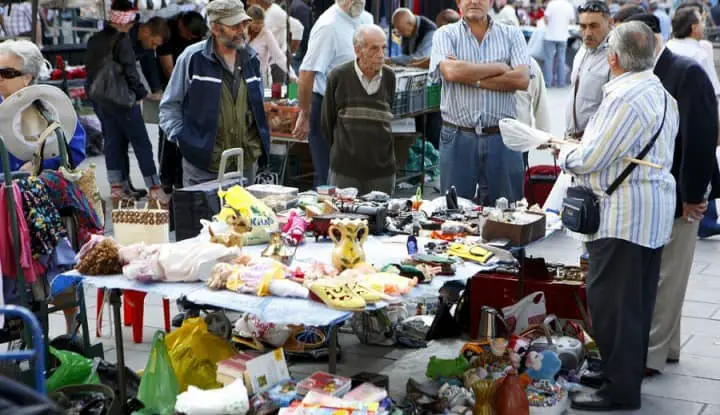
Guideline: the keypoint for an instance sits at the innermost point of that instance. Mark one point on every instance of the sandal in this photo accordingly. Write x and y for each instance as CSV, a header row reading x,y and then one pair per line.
x,y
120,196
367,294
158,195
338,297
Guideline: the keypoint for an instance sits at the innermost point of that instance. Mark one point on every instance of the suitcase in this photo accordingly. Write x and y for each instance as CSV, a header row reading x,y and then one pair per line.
x,y
539,181
201,201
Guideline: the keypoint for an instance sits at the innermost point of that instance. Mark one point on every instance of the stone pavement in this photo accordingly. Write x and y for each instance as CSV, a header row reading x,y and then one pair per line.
x,y
690,387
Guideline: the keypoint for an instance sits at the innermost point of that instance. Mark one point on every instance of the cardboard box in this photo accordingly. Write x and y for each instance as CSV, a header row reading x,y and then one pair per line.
x,y
260,372
519,234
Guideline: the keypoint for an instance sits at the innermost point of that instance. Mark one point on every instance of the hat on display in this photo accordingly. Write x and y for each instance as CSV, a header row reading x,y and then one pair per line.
x,y
22,125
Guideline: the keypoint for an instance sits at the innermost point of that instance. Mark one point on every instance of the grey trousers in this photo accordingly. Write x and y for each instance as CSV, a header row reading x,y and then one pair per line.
x,y
677,259
383,184
622,283
193,175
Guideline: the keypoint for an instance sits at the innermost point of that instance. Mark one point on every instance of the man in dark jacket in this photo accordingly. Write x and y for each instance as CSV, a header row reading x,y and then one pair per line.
x,y
122,126
694,168
214,100
417,33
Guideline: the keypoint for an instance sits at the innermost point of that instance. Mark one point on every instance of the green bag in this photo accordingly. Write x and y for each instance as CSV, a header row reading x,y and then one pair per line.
x,y
159,386
74,369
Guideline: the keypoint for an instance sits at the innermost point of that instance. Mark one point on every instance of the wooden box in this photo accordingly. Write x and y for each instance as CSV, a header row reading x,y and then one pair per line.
x,y
519,234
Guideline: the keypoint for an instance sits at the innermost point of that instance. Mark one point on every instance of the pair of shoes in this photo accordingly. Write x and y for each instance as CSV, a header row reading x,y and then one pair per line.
x,y
672,360
158,195
120,196
592,380
594,402
136,193
649,373
708,225
337,296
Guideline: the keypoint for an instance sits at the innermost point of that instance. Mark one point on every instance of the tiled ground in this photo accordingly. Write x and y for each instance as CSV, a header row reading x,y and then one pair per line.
x,y
689,388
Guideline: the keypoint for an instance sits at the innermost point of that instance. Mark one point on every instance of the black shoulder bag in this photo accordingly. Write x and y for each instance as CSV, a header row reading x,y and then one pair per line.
x,y
109,88
581,207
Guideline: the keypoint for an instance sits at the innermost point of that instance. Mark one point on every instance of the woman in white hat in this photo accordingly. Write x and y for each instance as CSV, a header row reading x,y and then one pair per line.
x,y
20,64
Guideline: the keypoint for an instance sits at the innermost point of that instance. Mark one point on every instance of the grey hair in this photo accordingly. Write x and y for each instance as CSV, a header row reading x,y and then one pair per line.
x,y
32,59
634,45
400,12
362,30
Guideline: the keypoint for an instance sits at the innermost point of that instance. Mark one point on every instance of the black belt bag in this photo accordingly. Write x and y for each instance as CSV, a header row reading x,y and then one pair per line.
x,y
581,207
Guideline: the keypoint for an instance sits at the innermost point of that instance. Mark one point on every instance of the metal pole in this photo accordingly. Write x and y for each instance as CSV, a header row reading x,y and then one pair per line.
x,y
34,33
288,42
115,300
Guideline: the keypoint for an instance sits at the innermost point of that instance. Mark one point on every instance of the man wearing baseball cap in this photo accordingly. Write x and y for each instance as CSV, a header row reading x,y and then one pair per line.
x,y
214,99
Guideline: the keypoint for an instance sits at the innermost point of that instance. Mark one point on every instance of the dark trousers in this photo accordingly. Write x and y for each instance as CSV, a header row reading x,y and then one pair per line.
x,y
622,284
430,127
170,162
319,147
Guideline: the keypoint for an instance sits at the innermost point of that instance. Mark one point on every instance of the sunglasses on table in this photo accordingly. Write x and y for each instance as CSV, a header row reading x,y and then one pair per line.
x,y
10,73
594,7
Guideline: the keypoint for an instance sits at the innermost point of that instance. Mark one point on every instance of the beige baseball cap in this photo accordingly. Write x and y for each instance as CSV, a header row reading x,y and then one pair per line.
x,y
227,12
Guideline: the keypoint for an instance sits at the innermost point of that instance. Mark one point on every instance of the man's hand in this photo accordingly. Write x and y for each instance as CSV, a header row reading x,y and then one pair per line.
x,y
693,212
302,126
138,102
155,96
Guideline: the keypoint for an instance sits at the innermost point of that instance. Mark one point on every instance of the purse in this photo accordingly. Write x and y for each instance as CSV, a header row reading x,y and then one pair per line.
x,y
109,87
150,226
581,207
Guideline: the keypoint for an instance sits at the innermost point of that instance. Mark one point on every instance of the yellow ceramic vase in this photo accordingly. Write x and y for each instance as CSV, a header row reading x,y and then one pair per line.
x,y
483,397
349,235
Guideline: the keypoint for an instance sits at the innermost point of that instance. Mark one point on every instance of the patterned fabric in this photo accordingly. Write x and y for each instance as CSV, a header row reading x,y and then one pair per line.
x,y
466,105
642,209
121,18
64,194
19,21
42,217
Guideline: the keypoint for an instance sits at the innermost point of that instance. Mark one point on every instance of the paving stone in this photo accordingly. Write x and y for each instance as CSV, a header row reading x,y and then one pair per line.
x,y
699,309
705,294
134,359
696,366
699,267
653,405
700,326
711,410
686,388
706,346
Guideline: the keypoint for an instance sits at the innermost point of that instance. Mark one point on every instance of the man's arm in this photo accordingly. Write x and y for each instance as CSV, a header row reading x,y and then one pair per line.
x,y
317,59
540,104
699,131
607,140
329,112
126,58
517,79
421,53
167,65
171,105
443,59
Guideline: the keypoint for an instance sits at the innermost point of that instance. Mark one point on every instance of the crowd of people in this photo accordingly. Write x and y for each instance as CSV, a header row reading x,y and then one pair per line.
x,y
642,85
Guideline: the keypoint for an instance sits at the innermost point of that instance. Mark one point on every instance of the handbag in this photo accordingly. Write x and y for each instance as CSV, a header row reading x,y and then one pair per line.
x,y
132,226
581,207
109,87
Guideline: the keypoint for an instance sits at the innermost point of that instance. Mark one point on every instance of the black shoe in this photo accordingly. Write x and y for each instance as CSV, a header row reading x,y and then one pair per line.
x,y
672,361
136,193
592,380
649,373
594,402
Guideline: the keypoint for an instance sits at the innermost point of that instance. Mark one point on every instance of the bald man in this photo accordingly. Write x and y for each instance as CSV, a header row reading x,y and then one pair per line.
x,y
447,16
356,116
417,33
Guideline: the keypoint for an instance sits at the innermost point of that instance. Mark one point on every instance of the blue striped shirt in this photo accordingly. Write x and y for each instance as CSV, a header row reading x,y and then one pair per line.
x,y
466,105
642,209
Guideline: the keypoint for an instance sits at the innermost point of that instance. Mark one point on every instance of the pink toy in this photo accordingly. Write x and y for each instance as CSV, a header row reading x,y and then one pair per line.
x,y
295,228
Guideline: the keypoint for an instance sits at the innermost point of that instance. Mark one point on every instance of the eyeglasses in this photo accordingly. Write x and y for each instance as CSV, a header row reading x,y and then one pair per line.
x,y
594,7
10,73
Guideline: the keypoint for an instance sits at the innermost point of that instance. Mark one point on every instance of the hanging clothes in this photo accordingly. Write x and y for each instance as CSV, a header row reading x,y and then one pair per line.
x,y
66,195
31,269
43,218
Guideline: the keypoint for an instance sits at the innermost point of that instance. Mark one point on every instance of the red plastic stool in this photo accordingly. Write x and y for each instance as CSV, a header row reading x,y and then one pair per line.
x,y
133,312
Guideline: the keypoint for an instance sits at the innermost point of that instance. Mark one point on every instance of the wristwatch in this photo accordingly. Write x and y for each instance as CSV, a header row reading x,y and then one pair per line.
x,y
477,84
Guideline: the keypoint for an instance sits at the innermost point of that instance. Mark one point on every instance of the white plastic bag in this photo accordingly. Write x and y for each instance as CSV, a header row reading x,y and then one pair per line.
x,y
521,137
191,260
232,399
536,44
554,201
526,312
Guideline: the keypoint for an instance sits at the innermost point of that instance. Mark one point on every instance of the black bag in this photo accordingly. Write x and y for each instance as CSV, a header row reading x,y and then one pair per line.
x,y
109,88
581,207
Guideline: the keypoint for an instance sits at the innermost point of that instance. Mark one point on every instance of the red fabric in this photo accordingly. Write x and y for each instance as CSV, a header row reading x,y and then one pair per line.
x,y
539,181
31,268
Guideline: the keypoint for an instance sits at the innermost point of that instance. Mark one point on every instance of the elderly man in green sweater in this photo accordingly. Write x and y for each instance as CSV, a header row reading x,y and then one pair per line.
x,y
356,117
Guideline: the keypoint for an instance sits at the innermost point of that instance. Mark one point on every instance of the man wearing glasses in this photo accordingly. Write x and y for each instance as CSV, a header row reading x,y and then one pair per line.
x,y
214,100
590,68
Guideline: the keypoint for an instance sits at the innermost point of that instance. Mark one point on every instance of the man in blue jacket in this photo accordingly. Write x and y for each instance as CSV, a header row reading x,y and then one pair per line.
x,y
214,100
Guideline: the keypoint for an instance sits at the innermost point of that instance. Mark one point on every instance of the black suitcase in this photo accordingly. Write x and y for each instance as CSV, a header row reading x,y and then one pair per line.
x,y
201,201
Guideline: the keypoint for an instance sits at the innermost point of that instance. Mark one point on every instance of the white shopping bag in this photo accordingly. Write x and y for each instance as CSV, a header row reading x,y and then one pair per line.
x,y
526,312
554,201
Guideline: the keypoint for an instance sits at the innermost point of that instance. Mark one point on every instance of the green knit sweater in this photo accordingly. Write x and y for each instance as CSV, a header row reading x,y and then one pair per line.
x,y
357,125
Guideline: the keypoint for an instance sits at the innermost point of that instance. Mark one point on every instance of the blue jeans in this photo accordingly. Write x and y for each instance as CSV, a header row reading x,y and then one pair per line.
x,y
554,50
319,147
467,160
120,128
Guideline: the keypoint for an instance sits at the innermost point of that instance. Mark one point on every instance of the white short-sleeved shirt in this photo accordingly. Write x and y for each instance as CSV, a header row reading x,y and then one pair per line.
x,y
560,14
331,43
276,22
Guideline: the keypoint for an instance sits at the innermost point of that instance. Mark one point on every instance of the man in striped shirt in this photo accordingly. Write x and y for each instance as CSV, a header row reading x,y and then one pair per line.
x,y
482,63
635,221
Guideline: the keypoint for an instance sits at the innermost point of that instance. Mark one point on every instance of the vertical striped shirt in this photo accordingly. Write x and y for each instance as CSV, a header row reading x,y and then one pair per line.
x,y
466,105
642,209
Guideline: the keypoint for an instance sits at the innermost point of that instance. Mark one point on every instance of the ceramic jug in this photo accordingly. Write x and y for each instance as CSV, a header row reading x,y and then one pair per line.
x,y
349,235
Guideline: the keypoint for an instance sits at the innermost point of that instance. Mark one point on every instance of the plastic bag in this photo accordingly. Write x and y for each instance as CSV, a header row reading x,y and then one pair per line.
x,y
232,399
521,137
525,313
554,200
159,384
195,352
74,369
262,219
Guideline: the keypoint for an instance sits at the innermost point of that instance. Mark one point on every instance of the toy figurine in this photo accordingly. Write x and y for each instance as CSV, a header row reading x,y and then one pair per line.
x,y
295,228
278,249
543,366
446,368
